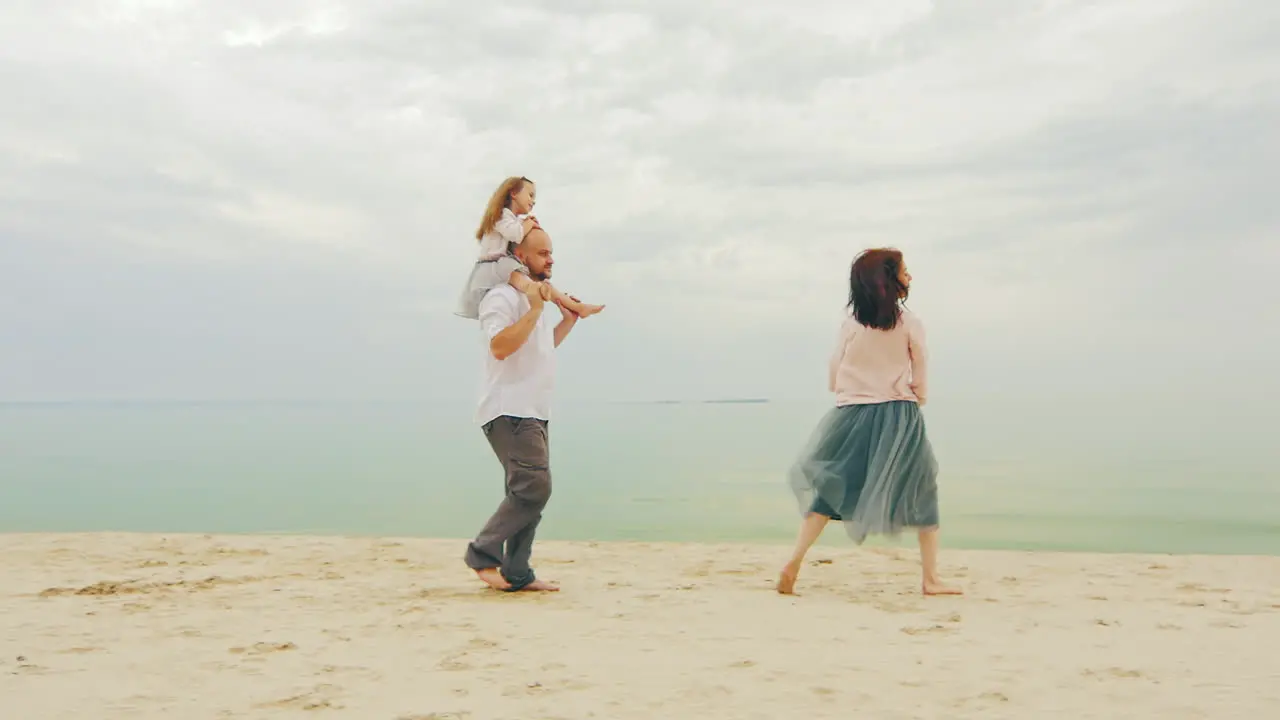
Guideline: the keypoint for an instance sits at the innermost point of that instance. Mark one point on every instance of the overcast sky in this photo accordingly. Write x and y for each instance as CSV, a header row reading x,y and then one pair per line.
x,y
248,199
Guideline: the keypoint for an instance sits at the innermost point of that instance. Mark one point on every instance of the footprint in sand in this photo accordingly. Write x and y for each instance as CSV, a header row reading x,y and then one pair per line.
x,y
984,699
990,697
26,667
247,552
79,650
529,688
109,588
746,569
892,606
699,571
322,697
1112,672
455,663
263,648
825,693
1236,608
932,629
1198,587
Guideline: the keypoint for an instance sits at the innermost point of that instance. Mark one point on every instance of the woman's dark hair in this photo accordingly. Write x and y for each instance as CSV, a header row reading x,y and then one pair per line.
x,y
875,288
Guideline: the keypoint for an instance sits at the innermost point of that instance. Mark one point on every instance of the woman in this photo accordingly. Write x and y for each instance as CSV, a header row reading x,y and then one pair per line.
x,y
869,463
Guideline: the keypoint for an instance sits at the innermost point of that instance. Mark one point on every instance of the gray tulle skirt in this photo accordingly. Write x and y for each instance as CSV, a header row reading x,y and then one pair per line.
x,y
485,275
871,467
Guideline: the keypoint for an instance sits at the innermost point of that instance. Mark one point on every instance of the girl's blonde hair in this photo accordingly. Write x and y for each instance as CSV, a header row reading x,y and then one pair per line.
x,y
500,201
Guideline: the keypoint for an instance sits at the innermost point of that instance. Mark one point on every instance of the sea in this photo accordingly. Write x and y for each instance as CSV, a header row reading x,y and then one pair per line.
x,y
1069,474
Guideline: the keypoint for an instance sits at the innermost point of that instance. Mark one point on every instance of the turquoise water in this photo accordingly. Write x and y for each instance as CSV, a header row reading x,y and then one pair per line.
x,y
1064,476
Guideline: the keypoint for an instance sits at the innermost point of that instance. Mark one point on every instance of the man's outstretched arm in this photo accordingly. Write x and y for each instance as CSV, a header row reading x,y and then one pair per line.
x,y
562,330
568,319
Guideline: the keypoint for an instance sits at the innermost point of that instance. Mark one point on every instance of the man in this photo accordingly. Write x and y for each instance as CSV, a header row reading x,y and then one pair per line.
x,y
514,410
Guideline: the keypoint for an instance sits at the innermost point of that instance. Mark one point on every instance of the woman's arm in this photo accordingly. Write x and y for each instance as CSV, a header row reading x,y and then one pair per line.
x,y
837,357
919,351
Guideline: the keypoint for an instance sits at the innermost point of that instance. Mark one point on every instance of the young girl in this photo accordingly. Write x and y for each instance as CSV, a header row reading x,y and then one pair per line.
x,y
507,220
869,464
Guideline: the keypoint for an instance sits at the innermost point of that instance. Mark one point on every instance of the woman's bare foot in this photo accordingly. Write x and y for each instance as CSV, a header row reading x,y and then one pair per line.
x,y
493,579
540,586
787,580
936,587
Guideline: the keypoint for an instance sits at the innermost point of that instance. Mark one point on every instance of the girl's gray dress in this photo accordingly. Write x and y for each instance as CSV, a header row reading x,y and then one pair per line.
x,y
486,275
497,262
871,467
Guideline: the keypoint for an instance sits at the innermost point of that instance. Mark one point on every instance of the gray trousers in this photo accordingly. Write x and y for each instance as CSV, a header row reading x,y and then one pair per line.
x,y
506,541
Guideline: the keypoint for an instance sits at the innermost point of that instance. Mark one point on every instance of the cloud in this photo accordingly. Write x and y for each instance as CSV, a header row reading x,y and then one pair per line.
x,y
1060,174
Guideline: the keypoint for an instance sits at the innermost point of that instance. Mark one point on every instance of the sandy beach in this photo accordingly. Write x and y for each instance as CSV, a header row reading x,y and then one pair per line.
x,y
191,626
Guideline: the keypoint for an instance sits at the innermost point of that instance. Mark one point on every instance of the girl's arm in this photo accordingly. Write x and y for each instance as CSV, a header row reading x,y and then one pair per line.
x,y
510,228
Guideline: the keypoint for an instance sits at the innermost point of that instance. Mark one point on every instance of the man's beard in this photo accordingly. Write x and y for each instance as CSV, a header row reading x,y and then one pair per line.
x,y
539,277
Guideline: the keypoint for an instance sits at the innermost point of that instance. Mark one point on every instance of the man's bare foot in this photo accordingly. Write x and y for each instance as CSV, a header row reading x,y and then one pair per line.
x,y
493,579
787,580
540,586
936,587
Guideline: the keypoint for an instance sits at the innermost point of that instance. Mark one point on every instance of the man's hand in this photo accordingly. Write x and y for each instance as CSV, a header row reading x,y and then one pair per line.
x,y
568,319
538,294
566,312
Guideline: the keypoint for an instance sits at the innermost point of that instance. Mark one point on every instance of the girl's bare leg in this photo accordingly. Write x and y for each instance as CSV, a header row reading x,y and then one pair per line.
x,y
810,528
519,280
931,583
576,307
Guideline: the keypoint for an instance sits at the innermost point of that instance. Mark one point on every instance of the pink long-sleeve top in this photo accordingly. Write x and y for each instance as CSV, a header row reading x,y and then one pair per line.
x,y
875,366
